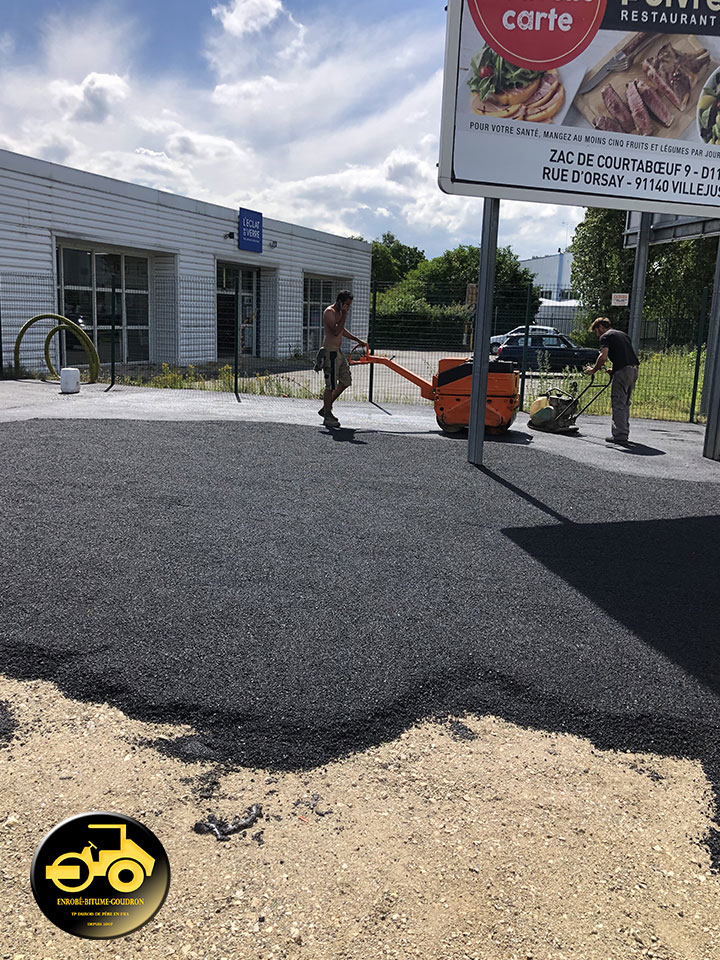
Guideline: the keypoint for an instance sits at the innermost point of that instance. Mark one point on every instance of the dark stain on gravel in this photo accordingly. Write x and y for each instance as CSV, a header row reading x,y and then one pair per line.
x,y
295,599
7,724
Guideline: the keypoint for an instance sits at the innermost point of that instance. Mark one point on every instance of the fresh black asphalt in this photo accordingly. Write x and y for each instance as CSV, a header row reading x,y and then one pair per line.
x,y
297,595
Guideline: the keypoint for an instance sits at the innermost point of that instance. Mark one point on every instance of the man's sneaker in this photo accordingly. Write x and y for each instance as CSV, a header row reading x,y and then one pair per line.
x,y
617,441
319,361
331,421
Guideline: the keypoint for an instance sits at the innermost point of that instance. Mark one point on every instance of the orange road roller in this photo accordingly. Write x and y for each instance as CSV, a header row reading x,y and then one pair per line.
x,y
451,387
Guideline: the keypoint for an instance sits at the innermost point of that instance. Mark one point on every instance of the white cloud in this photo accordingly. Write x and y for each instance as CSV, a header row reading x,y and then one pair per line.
x,y
247,16
288,124
93,100
99,40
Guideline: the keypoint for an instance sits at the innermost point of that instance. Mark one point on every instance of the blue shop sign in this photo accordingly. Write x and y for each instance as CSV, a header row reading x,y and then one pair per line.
x,y
250,230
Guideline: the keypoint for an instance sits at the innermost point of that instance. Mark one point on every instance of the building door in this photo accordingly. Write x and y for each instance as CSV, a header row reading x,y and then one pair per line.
x,y
228,275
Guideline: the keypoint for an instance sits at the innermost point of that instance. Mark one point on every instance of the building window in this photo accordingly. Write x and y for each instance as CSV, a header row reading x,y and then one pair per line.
x,y
318,293
85,295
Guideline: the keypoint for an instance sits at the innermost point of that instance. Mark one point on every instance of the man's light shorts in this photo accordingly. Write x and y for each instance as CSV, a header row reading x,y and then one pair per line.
x,y
336,369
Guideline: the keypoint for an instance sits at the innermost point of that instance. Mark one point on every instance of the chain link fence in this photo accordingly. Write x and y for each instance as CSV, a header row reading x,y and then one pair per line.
x,y
255,333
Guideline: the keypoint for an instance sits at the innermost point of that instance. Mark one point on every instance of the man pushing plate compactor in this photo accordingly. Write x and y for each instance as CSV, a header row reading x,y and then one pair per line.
x,y
617,347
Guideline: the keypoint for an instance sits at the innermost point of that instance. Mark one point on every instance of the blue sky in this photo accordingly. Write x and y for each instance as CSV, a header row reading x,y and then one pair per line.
x,y
318,113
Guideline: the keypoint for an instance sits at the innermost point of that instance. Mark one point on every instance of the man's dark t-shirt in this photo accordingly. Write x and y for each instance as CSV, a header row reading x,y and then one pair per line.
x,y
620,349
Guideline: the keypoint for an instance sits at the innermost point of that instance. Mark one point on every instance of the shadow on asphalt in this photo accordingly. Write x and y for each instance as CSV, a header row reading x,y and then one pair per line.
x,y
511,437
527,497
652,576
659,579
641,450
345,435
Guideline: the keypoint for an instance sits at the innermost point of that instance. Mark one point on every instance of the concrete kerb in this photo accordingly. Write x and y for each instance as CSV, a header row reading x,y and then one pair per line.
x,y
663,449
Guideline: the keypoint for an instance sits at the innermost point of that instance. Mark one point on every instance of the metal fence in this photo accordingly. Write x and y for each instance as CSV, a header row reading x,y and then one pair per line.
x,y
257,333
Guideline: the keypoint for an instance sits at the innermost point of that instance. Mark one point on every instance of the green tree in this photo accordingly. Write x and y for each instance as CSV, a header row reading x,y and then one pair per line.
x,y
385,269
600,267
440,291
392,260
678,274
679,282
406,257
445,280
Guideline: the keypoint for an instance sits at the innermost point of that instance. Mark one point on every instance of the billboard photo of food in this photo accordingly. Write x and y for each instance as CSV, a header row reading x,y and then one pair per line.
x,y
501,89
648,84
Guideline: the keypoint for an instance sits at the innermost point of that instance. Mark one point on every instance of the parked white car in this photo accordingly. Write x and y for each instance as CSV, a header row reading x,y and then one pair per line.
x,y
497,342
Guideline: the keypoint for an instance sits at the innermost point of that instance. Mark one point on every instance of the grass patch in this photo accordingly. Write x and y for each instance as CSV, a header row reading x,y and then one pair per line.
x,y
217,378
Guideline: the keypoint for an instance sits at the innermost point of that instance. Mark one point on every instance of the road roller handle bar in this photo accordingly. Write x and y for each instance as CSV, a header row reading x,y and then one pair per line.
x,y
426,388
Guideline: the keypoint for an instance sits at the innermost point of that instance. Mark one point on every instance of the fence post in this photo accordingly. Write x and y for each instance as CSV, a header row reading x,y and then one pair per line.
x,y
237,336
523,373
371,339
113,318
2,362
698,353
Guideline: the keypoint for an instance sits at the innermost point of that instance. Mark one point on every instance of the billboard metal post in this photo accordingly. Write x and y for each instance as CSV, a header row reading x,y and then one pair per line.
x,y
698,353
711,392
481,338
637,295
712,339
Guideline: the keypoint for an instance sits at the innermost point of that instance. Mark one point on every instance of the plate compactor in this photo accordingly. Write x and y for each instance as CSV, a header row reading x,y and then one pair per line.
x,y
557,410
451,387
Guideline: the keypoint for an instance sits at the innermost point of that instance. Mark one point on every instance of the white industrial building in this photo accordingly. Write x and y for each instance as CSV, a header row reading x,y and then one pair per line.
x,y
552,274
68,237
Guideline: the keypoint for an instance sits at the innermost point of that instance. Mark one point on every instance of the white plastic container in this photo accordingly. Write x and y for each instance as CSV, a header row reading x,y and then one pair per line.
x,y
69,380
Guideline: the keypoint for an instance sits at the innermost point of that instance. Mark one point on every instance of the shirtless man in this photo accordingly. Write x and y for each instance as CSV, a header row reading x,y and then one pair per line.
x,y
334,363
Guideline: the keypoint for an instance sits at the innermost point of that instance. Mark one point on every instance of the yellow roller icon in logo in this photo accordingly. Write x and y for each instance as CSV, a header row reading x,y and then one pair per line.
x,y
127,859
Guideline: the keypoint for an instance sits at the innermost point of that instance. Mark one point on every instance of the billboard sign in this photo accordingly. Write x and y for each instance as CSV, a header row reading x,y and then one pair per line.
x,y
611,103
250,225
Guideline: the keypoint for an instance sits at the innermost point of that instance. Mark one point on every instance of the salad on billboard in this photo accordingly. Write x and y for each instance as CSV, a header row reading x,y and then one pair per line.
x,y
500,89
709,110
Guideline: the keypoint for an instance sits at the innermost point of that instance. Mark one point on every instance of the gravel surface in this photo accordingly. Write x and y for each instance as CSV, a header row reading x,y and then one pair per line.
x,y
299,603
469,838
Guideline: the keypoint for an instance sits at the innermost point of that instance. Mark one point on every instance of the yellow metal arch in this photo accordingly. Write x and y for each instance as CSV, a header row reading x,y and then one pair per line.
x,y
63,324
